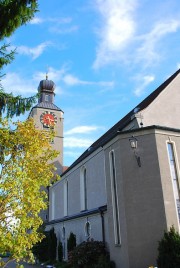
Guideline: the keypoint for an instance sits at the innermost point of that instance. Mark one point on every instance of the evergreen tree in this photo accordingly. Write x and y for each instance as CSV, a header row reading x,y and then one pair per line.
x,y
169,250
13,14
52,245
71,242
60,251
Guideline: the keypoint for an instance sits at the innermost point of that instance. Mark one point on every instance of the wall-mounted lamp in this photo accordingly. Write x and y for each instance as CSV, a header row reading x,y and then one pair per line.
x,y
134,144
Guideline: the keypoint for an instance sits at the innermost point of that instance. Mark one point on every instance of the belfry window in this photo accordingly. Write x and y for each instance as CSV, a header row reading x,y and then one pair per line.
x,y
174,176
116,221
83,189
47,97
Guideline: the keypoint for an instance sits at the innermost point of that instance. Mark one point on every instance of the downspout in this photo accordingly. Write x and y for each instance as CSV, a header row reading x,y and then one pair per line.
x,y
102,224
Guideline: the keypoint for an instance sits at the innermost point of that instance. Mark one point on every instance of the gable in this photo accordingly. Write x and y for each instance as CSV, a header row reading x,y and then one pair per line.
x,y
165,108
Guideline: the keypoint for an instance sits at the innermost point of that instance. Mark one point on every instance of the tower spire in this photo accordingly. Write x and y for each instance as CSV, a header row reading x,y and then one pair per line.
x,y
47,69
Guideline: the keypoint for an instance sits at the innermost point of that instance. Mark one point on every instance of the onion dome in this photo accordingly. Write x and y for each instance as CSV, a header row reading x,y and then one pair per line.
x,y
46,91
46,85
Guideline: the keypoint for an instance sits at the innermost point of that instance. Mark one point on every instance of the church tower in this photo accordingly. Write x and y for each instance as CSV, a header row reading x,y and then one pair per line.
x,y
46,114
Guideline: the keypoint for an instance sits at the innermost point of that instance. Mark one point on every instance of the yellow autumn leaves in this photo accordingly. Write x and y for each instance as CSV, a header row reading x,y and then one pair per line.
x,y
26,168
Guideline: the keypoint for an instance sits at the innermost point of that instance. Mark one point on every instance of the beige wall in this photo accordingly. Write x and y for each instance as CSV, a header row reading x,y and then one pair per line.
x,y
165,109
166,179
58,139
145,197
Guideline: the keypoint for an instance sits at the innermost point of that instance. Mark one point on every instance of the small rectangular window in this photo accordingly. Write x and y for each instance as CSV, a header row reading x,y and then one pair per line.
x,y
47,97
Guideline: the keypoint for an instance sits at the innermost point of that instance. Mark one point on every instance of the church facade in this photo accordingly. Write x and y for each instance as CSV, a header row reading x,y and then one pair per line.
x,y
124,189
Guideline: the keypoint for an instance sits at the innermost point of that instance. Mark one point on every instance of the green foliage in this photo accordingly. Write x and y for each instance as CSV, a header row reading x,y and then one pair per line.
x,y
46,249
87,254
71,242
52,245
25,170
169,250
60,251
13,14
14,105
40,250
104,262
5,56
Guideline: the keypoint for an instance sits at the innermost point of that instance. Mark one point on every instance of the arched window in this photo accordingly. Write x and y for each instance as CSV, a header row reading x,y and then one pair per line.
x,y
83,189
63,233
116,221
87,229
65,198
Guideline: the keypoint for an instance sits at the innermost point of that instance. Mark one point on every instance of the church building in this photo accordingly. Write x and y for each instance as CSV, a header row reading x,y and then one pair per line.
x,y
124,189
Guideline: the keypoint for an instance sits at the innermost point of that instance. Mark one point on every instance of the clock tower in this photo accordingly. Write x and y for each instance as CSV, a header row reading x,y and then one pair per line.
x,y
46,114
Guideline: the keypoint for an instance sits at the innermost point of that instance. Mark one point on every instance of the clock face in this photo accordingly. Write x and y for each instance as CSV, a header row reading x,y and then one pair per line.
x,y
48,119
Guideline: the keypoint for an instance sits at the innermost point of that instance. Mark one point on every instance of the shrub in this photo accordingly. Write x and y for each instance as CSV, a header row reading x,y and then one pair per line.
x,y
52,245
87,254
40,250
71,242
104,262
169,250
46,249
60,251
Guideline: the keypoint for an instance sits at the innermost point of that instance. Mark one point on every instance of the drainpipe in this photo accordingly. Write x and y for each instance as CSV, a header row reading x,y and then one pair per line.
x,y
102,224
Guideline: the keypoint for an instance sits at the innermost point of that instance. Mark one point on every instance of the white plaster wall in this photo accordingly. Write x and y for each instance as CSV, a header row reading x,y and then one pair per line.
x,y
96,188
77,226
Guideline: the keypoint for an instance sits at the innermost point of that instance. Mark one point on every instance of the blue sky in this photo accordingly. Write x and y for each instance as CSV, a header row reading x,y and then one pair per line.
x,y
104,56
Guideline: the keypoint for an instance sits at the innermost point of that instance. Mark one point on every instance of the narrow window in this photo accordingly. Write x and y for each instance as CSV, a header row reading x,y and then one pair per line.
x,y
47,97
63,233
116,221
53,205
174,176
66,198
88,230
83,188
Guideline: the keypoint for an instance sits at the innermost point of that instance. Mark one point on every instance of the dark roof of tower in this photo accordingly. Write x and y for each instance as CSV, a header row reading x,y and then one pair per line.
x,y
46,85
47,105
120,125
49,87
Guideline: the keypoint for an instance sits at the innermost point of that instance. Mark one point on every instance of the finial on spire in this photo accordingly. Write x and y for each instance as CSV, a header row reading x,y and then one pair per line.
x,y
47,69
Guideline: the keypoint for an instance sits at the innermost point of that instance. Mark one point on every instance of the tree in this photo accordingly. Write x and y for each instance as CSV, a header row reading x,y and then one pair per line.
x,y
71,242
52,245
45,250
90,254
26,169
60,251
14,13
169,250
